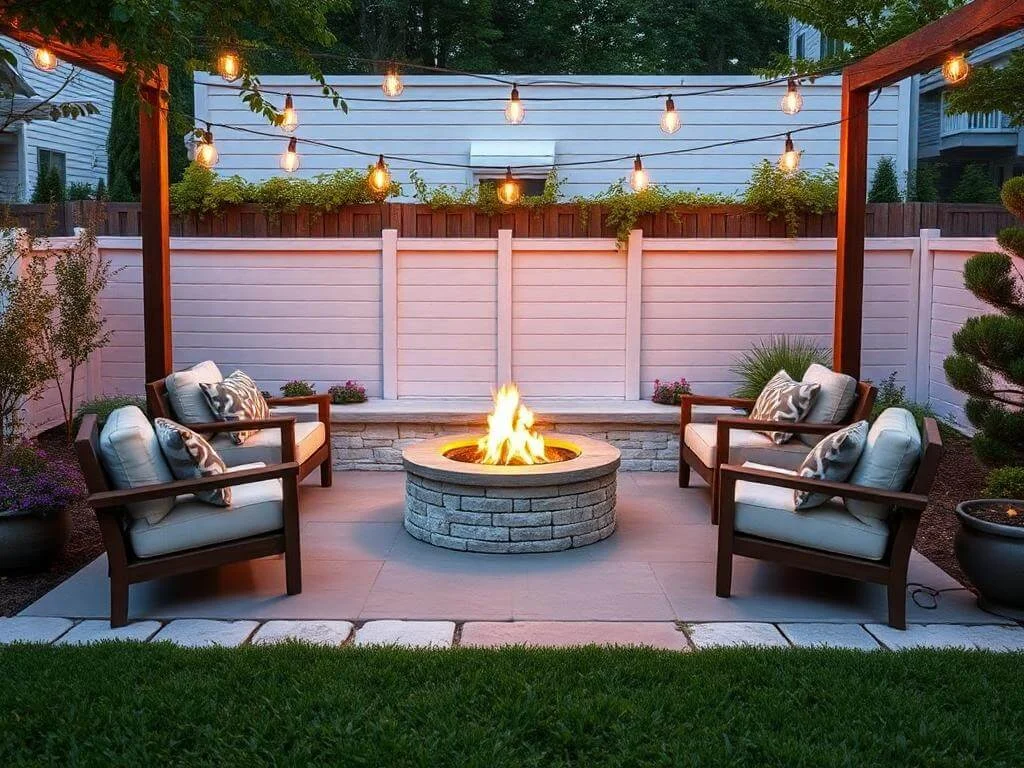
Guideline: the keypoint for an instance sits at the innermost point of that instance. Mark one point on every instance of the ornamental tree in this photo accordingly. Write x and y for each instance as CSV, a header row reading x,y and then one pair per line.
x,y
885,184
987,363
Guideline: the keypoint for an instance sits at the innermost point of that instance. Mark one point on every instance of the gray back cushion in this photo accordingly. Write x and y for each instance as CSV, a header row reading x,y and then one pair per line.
x,y
836,395
186,398
132,459
890,457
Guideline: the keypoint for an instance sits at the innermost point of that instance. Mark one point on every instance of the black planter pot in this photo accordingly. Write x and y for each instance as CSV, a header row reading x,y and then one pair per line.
x,y
992,556
31,542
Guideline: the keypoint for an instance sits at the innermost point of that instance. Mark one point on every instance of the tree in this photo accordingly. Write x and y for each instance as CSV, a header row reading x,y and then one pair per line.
x,y
988,89
987,363
975,186
923,183
885,184
49,186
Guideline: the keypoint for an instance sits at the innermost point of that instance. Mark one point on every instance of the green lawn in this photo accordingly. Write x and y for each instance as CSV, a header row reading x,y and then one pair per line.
x,y
161,706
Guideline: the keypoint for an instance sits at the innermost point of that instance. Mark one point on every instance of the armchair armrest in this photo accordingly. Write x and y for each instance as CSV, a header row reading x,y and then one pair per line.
x,y
321,401
687,402
284,423
108,499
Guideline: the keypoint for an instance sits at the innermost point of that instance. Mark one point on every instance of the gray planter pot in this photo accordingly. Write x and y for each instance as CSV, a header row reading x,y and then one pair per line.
x,y
992,556
31,542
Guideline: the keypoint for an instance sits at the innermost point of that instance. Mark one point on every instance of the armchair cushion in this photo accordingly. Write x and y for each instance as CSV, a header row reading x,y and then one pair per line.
x,y
783,399
186,398
265,446
769,512
236,398
836,395
890,456
256,508
744,445
833,458
190,456
131,456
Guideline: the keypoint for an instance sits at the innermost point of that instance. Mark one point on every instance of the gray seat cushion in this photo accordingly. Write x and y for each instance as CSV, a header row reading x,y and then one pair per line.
x,y
769,512
186,398
255,508
743,446
890,456
836,395
265,445
131,457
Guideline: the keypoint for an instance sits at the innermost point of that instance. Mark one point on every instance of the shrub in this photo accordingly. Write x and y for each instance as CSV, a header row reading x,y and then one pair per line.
x,y
792,195
670,393
33,483
349,392
104,406
975,186
49,187
893,395
80,190
793,354
298,388
923,183
1005,483
885,185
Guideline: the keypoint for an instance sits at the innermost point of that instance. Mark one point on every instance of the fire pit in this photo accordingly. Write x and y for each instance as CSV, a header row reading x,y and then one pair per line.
x,y
511,490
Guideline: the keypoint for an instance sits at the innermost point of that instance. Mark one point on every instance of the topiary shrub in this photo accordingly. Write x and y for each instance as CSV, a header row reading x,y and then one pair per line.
x,y
104,406
793,354
1005,483
670,393
975,186
298,388
347,393
885,184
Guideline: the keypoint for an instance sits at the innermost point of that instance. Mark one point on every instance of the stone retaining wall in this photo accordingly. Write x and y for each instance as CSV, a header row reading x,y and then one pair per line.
x,y
378,446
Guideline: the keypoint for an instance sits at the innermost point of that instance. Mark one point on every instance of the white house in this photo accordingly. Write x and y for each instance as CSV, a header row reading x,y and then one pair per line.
x,y
587,126
78,148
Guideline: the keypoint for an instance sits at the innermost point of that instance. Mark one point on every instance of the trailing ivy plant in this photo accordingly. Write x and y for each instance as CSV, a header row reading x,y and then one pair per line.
x,y
774,192
483,197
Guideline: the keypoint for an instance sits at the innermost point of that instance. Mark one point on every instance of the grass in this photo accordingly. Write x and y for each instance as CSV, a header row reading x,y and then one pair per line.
x,y
130,705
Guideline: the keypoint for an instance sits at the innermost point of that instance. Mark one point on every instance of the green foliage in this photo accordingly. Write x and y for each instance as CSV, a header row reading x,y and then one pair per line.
x,y
483,197
347,393
80,190
975,186
1004,483
792,354
297,388
992,88
792,195
671,392
893,395
991,277
923,183
1012,196
104,406
885,184
49,187
101,191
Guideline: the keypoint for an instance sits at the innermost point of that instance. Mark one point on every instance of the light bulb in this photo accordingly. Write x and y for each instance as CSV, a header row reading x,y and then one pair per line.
x,y
392,84
289,117
956,69
792,102
380,177
789,162
514,110
508,189
670,122
206,151
229,66
44,59
639,180
290,160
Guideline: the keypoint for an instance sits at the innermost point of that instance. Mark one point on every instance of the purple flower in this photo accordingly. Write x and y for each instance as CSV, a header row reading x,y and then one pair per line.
x,y
32,483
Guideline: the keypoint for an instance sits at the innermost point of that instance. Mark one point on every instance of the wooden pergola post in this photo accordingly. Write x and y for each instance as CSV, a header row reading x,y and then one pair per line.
x,y
957,32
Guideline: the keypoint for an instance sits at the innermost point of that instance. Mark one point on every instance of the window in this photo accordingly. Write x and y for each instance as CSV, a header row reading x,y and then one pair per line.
x,y
49,158
527,187
800,46
830,47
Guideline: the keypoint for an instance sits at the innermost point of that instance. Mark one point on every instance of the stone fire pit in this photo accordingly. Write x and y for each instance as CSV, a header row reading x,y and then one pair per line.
x,y
509,508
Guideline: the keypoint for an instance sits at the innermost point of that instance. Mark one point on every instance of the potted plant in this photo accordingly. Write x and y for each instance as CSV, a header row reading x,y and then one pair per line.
x,y
36,491
670,393
348,393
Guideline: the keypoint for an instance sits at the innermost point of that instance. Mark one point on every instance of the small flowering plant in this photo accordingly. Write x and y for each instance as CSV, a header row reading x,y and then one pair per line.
x,y
670,393
347,393
33,483
298,388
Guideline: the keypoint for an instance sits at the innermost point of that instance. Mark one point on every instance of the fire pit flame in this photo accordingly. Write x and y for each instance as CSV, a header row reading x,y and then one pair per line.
x,y
510,437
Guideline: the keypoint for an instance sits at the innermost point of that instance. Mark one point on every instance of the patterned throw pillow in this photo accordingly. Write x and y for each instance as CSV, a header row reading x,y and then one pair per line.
x,y
237,398
783,399
832,459
190,456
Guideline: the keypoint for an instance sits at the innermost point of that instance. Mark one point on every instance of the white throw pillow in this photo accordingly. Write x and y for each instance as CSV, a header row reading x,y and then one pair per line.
x,y
132,459
190,456
890,456
835,397
833,458
188,403
784,400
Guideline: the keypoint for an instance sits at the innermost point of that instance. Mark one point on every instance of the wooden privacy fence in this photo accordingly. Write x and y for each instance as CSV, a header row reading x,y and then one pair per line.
x,y
557,221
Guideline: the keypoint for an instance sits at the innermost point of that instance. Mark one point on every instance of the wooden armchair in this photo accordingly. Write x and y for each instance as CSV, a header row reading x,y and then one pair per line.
x,y
897,541
127,567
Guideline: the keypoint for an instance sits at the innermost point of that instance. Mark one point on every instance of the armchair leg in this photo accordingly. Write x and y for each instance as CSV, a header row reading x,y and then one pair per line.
x,y
118,600
326,473
684,472
714,496
293,573
723,573
897,597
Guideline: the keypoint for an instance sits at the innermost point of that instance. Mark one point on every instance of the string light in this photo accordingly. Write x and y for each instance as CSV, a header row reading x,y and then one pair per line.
x,y
670,122
290,160
229,66
789,162
956,69
508,189
514,110
380,177
639,180
44,59
792,102
206,153
289,117
392,84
